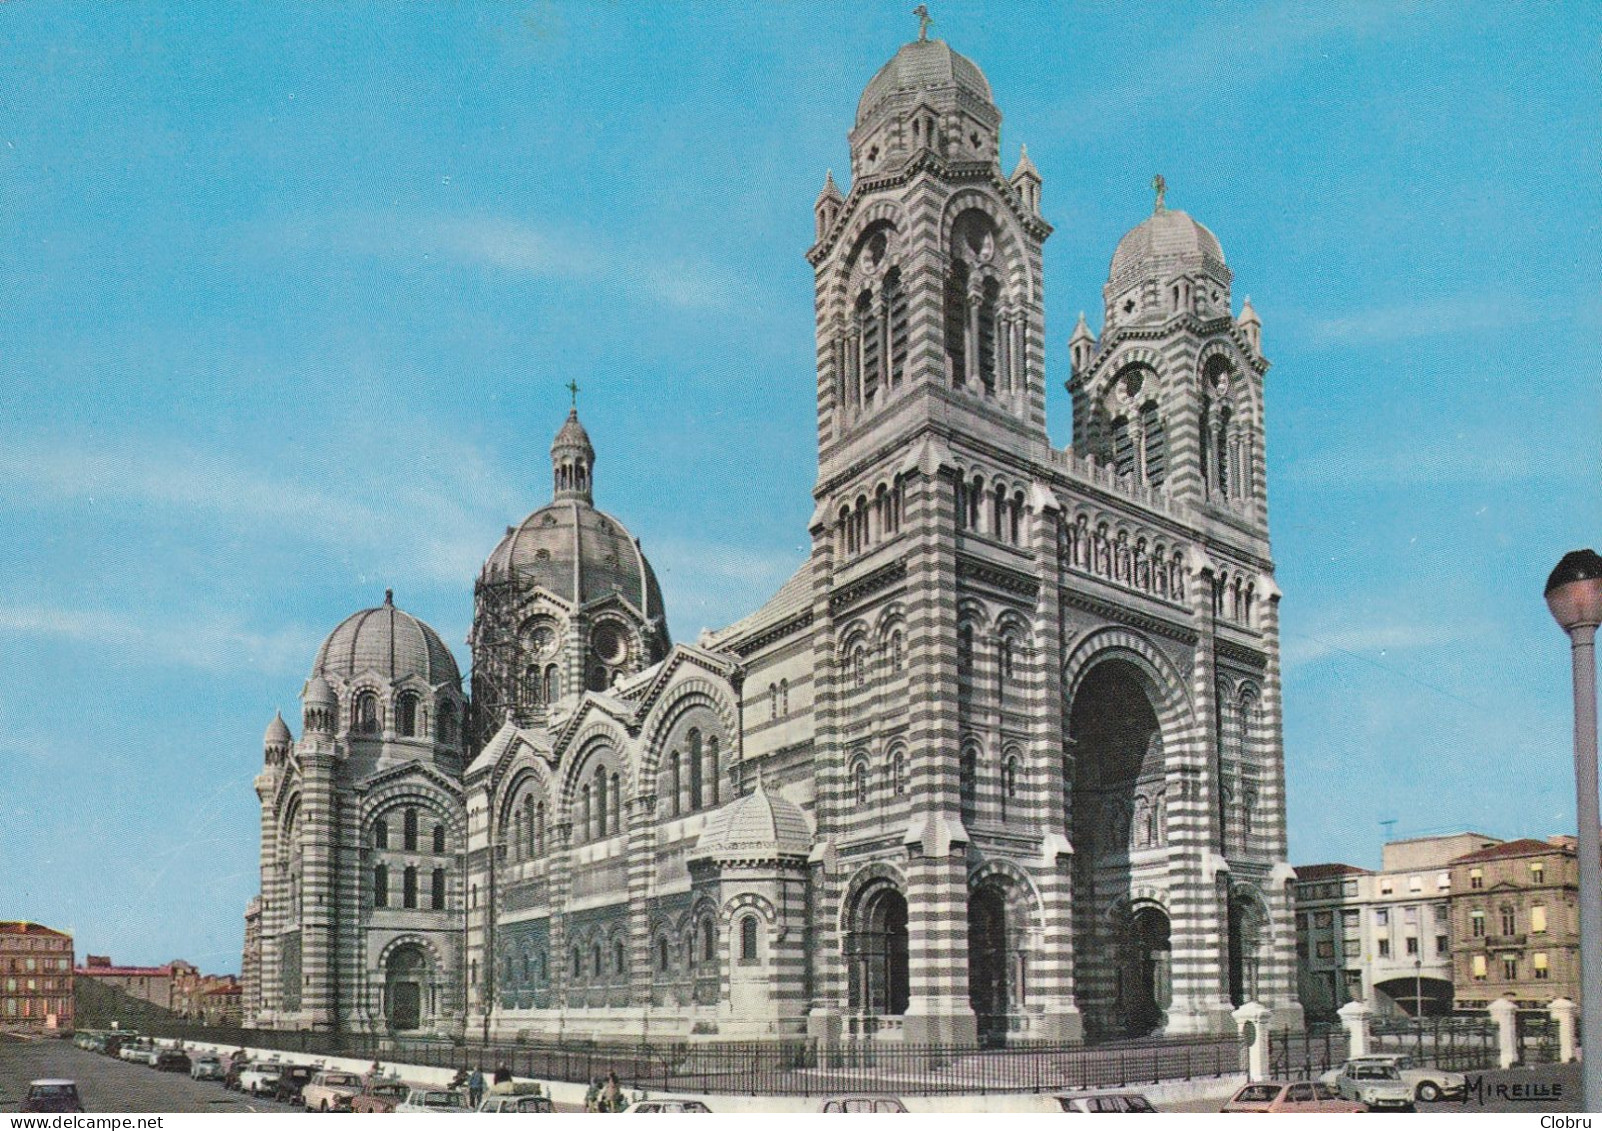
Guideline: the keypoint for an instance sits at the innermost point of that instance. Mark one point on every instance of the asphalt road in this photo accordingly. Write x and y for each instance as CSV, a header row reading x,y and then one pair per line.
x,y
107,1084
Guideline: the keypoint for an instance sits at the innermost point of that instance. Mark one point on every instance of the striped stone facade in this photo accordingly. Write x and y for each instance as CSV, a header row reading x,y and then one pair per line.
x,y
1001,761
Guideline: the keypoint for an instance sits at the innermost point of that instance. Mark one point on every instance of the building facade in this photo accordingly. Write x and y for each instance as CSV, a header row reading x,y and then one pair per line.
x,y
1515,920
152,984
1001,760
35,977
1386,937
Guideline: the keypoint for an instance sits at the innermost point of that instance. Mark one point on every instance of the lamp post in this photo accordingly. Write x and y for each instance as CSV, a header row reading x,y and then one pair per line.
x,y
1574,594
1418,986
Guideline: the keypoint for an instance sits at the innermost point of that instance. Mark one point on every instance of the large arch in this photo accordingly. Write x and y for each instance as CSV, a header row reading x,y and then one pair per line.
x,y
1119,702
874,918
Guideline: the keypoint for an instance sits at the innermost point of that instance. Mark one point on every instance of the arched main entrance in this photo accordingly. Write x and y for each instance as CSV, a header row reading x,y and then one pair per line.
x,y
988,959
405,981
1117,755
876,954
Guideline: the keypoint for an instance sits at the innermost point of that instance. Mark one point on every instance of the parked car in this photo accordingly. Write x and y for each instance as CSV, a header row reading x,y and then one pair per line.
x,y
1378,1085
1309,1097
380,1095
861,1102
172,1060
52,1096
292,1079
331,1090
148,1055
259,1079
422,1099
208,1067
667,1105
131,1051
1428,1084
515,1105
1104,1101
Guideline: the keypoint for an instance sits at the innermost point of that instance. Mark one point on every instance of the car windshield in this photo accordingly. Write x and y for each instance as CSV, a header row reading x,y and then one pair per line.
x,y
52,1091
441,1099
340,1080
1257,1094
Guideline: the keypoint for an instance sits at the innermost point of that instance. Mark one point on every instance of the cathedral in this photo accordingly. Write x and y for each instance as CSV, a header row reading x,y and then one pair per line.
x,y
1001,762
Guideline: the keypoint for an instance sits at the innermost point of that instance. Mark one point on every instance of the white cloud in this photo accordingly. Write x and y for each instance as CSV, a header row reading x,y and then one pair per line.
x,y
407,500
1366,642
213,642
1396,322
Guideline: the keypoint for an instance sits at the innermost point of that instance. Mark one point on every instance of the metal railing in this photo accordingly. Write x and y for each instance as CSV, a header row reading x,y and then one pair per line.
x,y
787,1067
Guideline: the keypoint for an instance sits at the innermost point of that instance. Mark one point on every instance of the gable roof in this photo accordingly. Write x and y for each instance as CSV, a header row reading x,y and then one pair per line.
x,y
1525,846
1328,871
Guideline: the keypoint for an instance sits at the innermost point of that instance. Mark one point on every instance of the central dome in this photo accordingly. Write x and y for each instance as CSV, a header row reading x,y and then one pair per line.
x,y
578,554
919,65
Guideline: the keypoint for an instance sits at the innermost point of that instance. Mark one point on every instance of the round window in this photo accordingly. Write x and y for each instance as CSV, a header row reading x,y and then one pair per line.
x,y
609,642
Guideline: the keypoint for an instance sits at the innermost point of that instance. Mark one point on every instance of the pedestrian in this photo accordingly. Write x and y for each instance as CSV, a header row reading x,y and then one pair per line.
x,y
592,1096
503,1074
475,1087
612,1095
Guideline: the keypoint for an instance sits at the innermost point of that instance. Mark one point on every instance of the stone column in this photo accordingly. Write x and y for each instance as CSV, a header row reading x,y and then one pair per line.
x,y
1564,1012
1506,1016
1252,1020
1355,1016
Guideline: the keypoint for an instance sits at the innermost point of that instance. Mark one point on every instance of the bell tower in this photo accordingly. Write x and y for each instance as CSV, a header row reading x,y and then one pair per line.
x,y
928,279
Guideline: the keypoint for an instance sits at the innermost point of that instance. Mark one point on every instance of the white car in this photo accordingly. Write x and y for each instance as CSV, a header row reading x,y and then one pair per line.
x,y
667,1105
208,1068
260,1078
331,1090
515,1105
1428,1084
433,1101
1378,1086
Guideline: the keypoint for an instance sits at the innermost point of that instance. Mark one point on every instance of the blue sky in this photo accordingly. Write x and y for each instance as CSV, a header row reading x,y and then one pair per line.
x,y
289,294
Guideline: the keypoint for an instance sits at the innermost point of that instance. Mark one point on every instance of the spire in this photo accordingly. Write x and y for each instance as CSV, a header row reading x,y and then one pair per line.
x,y
1160,187
831,191
827,207
1251,325
572,457
1025,180
1082,345
1024,164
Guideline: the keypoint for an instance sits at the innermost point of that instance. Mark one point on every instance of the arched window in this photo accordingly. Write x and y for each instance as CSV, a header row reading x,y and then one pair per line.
x,y
409,888
968,783
1151,428
533,686
409,836
601,808
1221,446
847,534
1009,787
1015,519
675,778
526,970
539,828
543,965
708,941
367,713
437,892
784,697
898,772
696,775
553,684
957,341
859,777
439,838
964,651
714,768
895,317
1004,660
445,722
662,956
381,885
380,833
578,964
748,939
595,959
773,700
870,332
898,658
406,715
859,666
989,355
619,958
1123,447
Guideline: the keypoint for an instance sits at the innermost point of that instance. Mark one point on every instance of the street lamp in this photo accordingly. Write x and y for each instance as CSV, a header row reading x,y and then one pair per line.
x,y
1418,986
1574,594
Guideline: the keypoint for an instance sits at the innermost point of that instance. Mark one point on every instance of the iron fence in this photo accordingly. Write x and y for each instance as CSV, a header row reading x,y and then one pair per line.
x,y
787,1067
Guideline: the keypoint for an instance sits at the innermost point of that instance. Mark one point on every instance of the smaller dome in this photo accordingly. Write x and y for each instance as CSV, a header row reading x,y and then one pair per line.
x,y
919,65
385,640
1169,240
758,824
572,435
317,691
277,732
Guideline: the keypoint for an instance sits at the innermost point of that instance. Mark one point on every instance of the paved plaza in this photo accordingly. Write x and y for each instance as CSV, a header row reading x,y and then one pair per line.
x,y
108,1084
